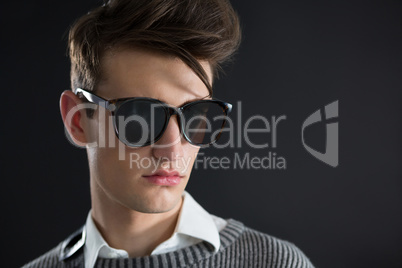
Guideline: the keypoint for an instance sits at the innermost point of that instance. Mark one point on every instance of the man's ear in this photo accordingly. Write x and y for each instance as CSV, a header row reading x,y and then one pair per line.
x,y
72,111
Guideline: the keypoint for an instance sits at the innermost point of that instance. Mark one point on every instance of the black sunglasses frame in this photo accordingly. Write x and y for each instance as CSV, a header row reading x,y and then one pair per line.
x,y
114,104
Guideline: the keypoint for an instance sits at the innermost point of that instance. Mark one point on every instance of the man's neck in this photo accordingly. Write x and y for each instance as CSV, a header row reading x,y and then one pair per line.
x,y
136,232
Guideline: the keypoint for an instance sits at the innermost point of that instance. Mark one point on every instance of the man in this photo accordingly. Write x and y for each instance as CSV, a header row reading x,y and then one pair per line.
x,y
141,104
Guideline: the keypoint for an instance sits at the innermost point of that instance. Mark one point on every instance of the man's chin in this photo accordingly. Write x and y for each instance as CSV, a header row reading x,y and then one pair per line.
x,y
161,205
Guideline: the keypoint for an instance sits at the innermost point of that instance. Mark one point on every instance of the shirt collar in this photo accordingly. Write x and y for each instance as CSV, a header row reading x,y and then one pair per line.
x,y
96,246
193,222
196,222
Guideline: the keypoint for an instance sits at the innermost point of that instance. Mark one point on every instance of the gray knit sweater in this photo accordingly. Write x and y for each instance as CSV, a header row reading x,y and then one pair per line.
x,y
240,247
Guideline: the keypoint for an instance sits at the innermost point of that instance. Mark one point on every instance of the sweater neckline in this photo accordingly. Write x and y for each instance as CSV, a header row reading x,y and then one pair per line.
x,y
190,255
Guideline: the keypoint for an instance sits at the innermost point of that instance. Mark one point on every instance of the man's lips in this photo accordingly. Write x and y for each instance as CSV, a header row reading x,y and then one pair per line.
x,y
164,178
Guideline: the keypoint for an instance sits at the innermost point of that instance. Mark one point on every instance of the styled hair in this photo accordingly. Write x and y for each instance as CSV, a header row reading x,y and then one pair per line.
x,y
192,30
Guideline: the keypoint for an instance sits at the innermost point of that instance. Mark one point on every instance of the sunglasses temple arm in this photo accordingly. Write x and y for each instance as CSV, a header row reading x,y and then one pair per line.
x,y
94,99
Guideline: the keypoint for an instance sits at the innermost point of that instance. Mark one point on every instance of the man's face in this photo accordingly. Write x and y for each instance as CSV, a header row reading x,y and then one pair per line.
x,y
124,183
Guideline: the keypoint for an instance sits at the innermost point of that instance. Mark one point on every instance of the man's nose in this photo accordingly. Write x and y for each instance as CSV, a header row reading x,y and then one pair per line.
x,y
170,144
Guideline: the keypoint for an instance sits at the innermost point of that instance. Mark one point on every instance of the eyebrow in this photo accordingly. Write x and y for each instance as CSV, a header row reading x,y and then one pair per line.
x,y
188,101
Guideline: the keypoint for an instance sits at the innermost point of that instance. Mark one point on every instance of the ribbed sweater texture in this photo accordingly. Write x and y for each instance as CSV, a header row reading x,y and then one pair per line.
x,y
240,247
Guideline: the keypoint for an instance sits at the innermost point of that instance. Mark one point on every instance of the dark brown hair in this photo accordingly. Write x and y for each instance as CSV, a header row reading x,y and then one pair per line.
x,y
189,29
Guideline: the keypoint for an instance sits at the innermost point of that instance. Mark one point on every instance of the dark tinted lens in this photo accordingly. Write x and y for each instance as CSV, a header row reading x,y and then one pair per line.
x,y
140,122
203,122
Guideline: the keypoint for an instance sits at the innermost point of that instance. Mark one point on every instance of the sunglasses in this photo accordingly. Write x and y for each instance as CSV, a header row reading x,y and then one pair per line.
x,y
141,121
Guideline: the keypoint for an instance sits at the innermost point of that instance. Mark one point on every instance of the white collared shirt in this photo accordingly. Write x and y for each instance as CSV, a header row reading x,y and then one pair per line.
x,y
194,225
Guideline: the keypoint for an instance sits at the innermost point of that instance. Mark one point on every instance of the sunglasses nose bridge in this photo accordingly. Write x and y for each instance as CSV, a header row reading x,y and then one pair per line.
x,y
174,111
178,112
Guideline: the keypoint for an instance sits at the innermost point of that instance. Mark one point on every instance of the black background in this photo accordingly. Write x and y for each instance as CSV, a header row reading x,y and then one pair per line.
x,y
296,57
